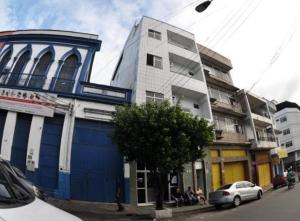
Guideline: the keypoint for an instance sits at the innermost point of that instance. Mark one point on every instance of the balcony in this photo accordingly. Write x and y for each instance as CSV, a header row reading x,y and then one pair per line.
x,y
37,82
226,108
260,120
183,66
266,142
181,41
219,79
62,85
23,80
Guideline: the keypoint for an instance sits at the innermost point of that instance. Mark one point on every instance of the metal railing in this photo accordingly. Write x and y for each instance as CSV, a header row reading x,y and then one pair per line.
x,y
270,139
37,82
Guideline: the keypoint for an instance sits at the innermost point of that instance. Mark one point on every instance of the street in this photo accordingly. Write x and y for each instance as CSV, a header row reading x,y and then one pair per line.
x,y
280,204
276,205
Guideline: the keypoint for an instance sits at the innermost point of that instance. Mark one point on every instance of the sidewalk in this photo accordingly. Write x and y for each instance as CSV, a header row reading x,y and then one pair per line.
x,y
90,211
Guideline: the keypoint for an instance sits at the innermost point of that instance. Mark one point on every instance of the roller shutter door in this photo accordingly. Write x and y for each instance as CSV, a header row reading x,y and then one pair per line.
x,y
216,175
234,172
49,153
96,165
20,141
264,174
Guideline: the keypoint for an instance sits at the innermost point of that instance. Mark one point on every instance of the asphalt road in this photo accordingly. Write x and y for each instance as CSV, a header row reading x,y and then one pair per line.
x,y
276,205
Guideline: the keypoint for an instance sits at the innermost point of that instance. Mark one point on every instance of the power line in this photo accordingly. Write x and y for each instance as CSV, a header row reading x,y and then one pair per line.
x,y
146,32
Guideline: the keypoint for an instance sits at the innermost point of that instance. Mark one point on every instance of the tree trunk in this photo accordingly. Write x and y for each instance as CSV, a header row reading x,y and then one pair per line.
x,y
159,189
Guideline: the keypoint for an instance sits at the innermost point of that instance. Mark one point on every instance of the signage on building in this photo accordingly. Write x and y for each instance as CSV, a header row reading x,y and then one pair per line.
x,y
29,102
282,153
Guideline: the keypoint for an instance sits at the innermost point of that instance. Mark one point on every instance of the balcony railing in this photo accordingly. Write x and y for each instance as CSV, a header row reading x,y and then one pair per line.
x,y
37,82
270,139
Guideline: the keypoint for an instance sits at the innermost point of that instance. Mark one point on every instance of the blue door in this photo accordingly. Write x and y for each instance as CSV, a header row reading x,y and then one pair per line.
x,y
96,165
49,153
2,123
20,141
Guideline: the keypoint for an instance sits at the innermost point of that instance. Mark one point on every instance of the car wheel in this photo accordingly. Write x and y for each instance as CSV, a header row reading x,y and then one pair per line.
x,y
236,201
259,195
218,206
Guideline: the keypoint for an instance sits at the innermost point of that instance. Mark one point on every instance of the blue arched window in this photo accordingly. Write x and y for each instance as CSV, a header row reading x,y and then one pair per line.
x,y
5,59
66,76
39,74
19,68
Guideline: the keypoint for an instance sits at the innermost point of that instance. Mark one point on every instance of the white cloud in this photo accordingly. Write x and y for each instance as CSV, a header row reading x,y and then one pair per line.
x,y
249,41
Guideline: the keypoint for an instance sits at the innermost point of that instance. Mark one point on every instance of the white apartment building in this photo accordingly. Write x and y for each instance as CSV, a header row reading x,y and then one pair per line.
x,y
160,61
288,122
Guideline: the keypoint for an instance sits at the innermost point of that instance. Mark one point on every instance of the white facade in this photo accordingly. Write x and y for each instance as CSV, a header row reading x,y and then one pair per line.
x,y
176,71
288,122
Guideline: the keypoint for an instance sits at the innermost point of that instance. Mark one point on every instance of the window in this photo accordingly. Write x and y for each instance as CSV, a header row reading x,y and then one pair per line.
x,y
227,124
219,95
289,144
5,59
283,119
286,131
154,61
64,82
196,106
39,75
19,68
154,34
154,97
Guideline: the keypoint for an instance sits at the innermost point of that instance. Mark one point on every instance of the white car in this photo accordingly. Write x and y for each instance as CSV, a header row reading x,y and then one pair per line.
x,y
19,203
235,193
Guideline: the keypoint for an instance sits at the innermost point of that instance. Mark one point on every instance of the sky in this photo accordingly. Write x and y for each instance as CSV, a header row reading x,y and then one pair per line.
x,y
260,37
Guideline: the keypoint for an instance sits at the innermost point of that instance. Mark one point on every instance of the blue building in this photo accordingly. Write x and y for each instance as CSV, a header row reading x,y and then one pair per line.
x,y
55,124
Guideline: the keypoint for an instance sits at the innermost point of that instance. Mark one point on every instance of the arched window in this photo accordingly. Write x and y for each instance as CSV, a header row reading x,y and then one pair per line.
x,y
39,74
19,68
65,79
5,59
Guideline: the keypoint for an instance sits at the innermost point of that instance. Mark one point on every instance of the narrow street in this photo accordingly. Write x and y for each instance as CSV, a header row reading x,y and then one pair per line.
x,y
280,204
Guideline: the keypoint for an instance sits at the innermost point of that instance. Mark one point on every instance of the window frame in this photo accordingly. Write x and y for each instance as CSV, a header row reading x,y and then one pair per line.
x,y
156,98
153,60
154,34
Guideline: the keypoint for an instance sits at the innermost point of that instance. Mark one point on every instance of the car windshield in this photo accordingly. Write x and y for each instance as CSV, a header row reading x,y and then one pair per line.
x,y
12,191
227,186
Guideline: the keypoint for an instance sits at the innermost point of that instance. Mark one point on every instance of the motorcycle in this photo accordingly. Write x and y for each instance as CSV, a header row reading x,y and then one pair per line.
x,y
291,183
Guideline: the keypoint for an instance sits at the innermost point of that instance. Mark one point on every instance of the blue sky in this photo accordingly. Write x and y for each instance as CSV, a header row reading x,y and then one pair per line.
x,y
259,36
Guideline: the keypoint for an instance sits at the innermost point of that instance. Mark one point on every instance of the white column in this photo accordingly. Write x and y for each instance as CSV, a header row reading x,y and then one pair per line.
x,y
34,142
66,143
8,134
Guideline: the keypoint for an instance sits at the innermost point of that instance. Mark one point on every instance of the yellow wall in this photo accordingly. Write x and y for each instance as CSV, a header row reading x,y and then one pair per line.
x,y
234,172
264,174
214,153
216,175
234,153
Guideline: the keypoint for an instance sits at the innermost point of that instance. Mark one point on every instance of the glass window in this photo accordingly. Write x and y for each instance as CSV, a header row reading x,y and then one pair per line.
x,y
154,61
154,97
5,59
39,75
289,144
154,34
65,80
286,131
283,119
19,68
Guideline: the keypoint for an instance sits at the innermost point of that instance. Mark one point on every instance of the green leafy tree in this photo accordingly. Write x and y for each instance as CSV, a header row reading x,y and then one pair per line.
x,y
162,136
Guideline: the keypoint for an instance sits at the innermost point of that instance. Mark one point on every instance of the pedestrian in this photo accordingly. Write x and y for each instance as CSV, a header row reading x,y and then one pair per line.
x,y
178,197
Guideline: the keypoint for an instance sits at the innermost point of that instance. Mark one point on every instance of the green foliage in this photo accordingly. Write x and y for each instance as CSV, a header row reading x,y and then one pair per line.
x,y
161,136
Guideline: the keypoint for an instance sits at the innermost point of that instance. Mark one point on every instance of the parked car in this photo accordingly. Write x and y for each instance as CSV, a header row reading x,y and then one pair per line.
x,y
18,202
235,194
22,178
279,180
